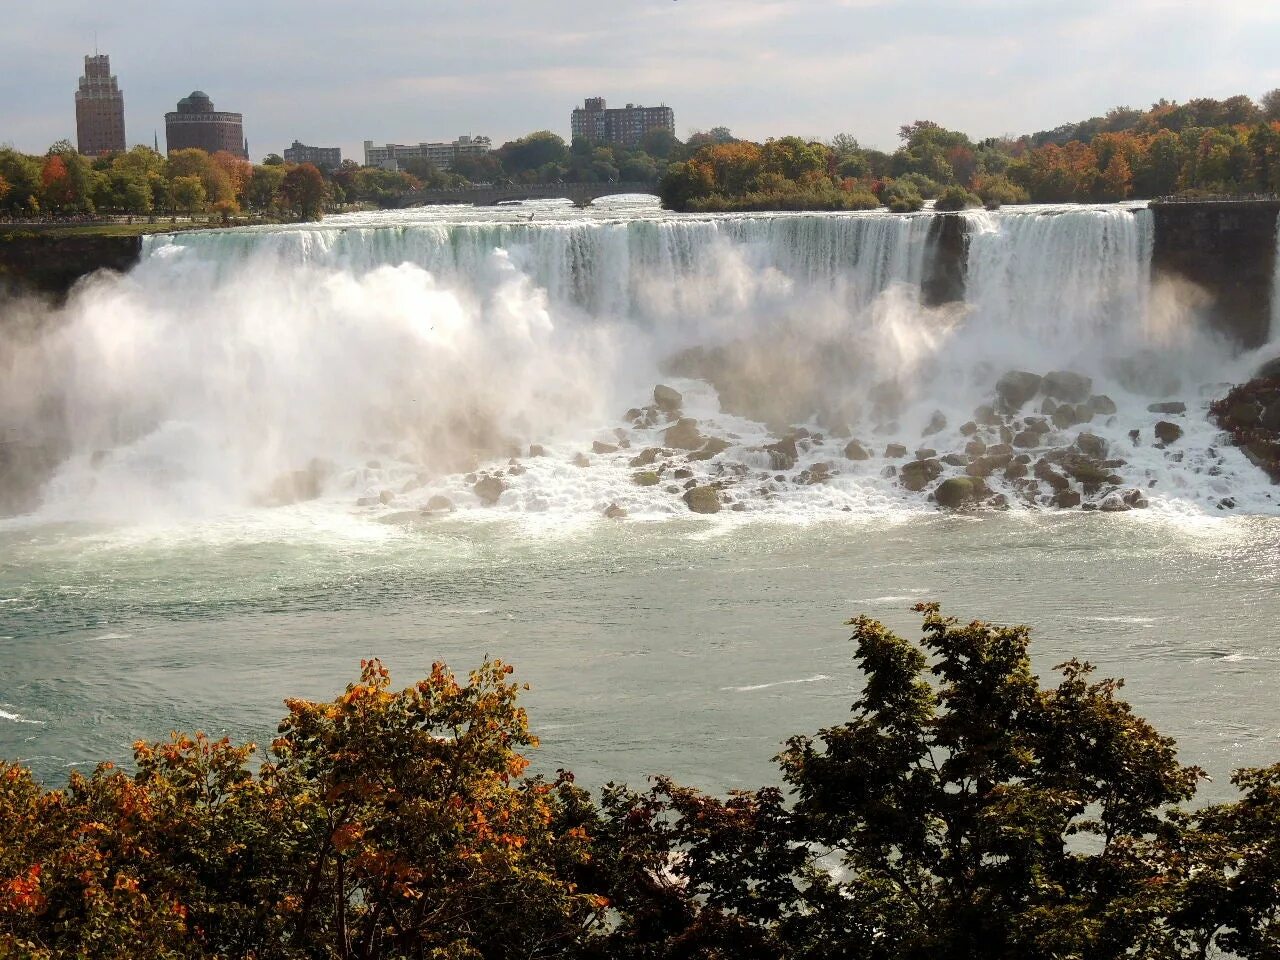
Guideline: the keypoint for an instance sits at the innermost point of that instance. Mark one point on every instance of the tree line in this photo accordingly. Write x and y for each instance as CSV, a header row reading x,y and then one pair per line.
x,y
963,810
1204,146
142,182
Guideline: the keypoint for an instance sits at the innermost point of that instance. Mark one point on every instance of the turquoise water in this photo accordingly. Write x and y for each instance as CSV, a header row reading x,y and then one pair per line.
x,y
687,647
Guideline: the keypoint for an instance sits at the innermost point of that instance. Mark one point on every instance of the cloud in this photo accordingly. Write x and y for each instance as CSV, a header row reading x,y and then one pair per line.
x,y
333,73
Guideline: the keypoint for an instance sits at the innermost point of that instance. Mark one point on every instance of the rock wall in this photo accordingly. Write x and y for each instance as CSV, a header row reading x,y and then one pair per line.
x,y
1228,248
945,265
41,263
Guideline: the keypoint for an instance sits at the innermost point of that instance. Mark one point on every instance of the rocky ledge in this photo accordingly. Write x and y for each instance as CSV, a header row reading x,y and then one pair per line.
x,y
1250,413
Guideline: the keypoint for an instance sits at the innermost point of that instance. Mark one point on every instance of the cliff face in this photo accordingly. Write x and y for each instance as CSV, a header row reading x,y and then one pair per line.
x,y
1229,249
51,265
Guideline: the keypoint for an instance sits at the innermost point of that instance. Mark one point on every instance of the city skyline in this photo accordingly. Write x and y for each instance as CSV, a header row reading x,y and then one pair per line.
x,y
760,67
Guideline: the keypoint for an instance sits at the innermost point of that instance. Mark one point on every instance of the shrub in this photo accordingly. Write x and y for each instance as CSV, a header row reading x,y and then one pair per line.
x,y
901,197
956,198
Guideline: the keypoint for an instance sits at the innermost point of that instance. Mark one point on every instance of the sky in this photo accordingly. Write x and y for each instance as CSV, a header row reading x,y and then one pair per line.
x,y
336,74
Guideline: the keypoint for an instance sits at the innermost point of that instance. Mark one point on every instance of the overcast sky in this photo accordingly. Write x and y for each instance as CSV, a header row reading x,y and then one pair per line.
x,y
331,73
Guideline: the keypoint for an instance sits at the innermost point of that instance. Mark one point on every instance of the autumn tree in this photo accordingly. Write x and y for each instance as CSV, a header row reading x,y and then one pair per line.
x,y
304,191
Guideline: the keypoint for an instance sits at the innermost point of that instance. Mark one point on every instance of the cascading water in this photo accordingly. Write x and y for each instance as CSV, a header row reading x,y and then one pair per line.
x,y
379,359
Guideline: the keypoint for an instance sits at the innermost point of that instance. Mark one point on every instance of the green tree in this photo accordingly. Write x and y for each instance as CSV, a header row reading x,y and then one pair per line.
x,y
22,173
533,151
1270,104
963,811
263,191
189,194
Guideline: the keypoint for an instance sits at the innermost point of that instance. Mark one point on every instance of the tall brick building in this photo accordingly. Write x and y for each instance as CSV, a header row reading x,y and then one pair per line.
x,y
196,124
620,126
99,109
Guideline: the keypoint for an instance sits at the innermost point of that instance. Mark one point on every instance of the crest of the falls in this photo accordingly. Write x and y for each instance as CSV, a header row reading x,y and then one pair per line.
x,y
382,358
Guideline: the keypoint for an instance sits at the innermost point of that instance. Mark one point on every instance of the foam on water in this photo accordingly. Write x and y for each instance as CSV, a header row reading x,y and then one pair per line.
x,y
377,360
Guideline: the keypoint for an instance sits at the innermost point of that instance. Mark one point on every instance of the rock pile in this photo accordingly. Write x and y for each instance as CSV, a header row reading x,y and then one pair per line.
x,y
1250,413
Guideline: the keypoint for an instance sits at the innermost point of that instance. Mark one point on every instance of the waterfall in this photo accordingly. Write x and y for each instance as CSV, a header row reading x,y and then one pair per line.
x,y
390,355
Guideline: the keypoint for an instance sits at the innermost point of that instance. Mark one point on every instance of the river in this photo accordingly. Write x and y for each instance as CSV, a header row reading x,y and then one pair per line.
x,y
250,425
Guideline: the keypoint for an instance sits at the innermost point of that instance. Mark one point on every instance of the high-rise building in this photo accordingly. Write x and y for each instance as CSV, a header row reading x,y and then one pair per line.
x,y
441,155
621,126
196,124
327,158
99,109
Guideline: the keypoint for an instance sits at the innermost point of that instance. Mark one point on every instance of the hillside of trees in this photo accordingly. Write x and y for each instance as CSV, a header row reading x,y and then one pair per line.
x,y
961,810
1204,146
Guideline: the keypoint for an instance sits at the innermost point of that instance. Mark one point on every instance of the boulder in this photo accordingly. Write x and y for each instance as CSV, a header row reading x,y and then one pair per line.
x,y
1015,471
1068,386
1091,445
918,474
438,503
1065,498
684,435
986,416
645,478
926,453
968,428
785,446
956,492
646,457
603,448
1135,499
975,448
713,447
937,423
894,451
1026,439
581,460
999,450
702,499
1016,387
537,450
1047,406
615,512
1084,413
1064,415
488,489
1102,404
1167,406
956,460
1113,503
1270,370
386,497
1167,432
684,473
1244,414
1271,417
853,450
517,470
1044,472
667,399
1038,424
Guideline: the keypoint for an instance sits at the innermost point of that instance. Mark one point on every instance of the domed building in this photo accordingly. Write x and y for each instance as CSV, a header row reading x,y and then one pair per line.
x,y
197,124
